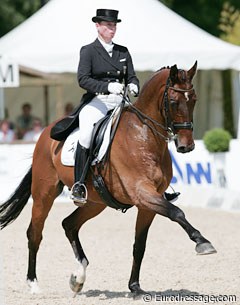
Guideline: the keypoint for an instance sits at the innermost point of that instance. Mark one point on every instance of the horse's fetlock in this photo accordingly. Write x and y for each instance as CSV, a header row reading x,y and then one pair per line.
x,y
198,238
133,286
195,235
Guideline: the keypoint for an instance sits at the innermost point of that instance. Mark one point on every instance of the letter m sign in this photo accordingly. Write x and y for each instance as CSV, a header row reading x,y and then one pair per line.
x,y
9,74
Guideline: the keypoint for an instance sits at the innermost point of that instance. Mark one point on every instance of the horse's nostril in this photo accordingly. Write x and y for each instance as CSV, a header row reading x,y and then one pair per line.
x,y
182,149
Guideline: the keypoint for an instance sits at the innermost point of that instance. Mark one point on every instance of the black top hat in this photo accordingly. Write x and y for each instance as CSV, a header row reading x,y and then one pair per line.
x,y
106,15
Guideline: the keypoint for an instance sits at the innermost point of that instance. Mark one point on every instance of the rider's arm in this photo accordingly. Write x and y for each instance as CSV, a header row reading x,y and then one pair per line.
x,y
85,77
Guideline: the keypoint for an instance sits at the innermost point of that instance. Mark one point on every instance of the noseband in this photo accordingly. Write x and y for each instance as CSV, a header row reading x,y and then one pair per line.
x,y
173,126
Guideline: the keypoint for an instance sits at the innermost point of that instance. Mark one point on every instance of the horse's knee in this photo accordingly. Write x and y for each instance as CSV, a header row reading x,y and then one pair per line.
x,y
176,214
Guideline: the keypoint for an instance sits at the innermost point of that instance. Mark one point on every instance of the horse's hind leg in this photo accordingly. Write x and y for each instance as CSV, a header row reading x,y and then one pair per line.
x,y
71,225
43,197
144,220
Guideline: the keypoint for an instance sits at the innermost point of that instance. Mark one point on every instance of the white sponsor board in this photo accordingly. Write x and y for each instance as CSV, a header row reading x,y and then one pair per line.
x,y
193,174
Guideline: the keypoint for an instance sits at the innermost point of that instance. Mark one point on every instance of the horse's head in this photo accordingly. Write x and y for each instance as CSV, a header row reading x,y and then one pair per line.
x,y
179,101
166,104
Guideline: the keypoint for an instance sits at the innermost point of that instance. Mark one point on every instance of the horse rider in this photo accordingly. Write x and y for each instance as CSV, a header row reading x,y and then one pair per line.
x,y
104,69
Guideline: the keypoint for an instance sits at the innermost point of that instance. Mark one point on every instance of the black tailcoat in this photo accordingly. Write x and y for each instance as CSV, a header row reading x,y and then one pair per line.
x,y
97,68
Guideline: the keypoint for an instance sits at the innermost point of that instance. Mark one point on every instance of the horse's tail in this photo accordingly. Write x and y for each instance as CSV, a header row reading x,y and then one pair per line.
x,y
11,208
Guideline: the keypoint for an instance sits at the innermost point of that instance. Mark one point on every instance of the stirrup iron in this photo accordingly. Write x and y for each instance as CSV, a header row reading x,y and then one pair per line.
x,y
77,198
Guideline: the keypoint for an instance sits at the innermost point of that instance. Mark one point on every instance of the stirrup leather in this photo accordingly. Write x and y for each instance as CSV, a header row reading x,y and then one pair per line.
x,y
77,195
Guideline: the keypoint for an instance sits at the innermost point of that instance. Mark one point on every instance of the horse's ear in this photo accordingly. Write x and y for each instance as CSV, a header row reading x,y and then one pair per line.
x,y
174,74
192,71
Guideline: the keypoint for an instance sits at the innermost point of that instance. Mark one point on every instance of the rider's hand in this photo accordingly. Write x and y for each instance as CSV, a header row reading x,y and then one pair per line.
x,y
133,89
115,88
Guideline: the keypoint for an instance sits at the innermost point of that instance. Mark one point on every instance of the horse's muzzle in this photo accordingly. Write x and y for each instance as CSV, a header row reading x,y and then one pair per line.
x,y
184,149
184,144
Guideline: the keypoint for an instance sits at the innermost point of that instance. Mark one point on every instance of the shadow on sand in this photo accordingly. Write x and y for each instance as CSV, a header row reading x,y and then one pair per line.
x,y
163,296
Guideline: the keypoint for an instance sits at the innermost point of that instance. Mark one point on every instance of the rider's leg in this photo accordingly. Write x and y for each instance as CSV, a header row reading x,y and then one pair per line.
x,y
88,116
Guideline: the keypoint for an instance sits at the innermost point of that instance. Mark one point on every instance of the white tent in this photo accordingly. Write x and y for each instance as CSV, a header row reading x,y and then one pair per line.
x,y
50,40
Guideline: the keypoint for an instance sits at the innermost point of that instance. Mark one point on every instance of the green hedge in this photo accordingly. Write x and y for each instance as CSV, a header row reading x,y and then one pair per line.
x,y
217,140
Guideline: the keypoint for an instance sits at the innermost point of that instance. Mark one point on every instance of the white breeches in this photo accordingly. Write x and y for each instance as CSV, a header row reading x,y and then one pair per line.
x,y
92,113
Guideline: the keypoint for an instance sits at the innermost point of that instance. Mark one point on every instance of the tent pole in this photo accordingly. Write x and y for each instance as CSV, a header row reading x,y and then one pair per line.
x,y
237,91
46,105
235,79
2,104
59,102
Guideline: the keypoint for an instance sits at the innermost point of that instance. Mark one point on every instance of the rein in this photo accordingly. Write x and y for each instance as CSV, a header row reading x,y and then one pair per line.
x,y
170,126
144,118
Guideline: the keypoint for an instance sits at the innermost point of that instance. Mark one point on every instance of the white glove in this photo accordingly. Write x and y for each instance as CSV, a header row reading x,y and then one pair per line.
x,y
133,89
115,88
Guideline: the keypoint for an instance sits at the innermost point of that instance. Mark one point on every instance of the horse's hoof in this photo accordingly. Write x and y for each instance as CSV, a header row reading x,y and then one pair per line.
x,y
74,285
136,291
205,248
33,285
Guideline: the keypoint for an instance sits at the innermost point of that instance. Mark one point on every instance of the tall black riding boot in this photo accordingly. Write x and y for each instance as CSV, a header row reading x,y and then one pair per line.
x,y
79,190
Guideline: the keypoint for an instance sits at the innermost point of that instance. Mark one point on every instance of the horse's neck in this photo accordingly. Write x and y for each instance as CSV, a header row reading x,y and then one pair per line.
x,y
151,96
151,103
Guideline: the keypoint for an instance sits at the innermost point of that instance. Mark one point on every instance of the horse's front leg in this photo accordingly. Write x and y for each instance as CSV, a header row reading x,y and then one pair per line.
x,y
203,246
72,225
156,203
144,220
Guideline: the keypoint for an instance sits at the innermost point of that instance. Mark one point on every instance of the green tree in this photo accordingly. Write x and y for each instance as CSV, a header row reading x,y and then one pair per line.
x,y
222,19
230,24
203,13
14,12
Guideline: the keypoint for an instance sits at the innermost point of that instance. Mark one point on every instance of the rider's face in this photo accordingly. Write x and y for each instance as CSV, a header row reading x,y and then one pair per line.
x,y
106,30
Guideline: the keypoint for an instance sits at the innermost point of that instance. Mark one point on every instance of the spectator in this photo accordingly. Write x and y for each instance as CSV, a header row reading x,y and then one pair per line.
x,y
68,109
34,134
6,133
24,121
6,115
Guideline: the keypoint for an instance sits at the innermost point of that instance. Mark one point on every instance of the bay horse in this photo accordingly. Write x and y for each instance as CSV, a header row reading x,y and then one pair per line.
x,y
137,173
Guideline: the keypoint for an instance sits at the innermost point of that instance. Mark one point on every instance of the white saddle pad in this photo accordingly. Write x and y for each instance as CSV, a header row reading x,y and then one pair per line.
x,y
70,145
